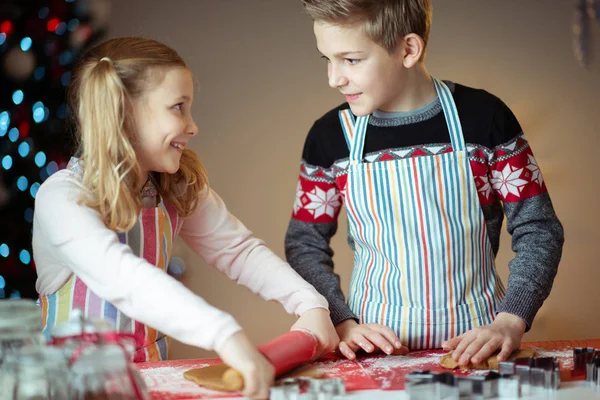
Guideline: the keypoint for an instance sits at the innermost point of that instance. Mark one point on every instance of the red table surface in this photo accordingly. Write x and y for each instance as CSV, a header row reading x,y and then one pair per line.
x,y
165,378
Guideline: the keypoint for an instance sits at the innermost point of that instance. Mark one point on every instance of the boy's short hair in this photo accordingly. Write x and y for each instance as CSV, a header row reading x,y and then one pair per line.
x,y
385,21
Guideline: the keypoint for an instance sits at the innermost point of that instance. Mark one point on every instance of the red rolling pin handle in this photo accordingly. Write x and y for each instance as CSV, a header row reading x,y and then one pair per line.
x,y
285,352
290,350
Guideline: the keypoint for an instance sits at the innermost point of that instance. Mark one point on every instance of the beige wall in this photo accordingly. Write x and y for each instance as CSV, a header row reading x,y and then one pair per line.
x,y
262,84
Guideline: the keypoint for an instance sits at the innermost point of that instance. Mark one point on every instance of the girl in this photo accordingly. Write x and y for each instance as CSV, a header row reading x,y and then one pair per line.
x,y
105,225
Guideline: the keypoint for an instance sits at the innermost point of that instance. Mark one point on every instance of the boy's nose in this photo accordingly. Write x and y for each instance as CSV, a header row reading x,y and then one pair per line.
x,y
336,79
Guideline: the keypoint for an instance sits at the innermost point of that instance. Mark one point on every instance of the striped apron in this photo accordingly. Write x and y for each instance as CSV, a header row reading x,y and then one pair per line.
x,y
151,238
423,263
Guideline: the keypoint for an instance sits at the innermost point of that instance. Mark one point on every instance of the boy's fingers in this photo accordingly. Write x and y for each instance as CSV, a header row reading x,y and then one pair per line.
x,y
381,342
346,351
486,350
461,347
506,351
389,334
473,348
452,343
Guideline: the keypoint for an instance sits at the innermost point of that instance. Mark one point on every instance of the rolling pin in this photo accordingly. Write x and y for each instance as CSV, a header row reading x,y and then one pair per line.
x,y
285,352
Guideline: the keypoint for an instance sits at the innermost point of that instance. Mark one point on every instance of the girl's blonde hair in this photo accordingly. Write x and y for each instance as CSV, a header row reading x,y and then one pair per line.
x,y
385,21
105,83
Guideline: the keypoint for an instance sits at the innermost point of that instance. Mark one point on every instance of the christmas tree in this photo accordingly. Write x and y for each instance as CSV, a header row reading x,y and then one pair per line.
x,y
40,41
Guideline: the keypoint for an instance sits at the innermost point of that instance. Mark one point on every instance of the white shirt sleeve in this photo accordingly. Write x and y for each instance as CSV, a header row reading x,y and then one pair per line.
x,y
224,242
72,237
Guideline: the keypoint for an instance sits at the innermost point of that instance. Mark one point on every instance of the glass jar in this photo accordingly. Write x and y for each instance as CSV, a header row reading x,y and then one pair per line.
x,y
20,325
34,373
100,360
103,372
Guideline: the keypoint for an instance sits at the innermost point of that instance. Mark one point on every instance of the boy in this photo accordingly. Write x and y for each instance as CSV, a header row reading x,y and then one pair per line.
x,y
426,170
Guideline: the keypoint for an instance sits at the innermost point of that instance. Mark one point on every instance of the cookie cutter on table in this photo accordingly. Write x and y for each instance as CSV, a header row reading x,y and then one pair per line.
x,y
535,373
316,389
447,386
588,359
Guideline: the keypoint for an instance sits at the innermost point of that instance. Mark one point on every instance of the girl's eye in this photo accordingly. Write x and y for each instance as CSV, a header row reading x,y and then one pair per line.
x,y
352,61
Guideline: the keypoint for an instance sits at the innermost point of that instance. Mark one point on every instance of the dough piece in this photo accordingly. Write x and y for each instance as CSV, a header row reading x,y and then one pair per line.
x,y
208,377
211,377
490,363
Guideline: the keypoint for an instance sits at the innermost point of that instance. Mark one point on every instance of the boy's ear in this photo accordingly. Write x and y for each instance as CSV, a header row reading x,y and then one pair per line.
x,y
413,49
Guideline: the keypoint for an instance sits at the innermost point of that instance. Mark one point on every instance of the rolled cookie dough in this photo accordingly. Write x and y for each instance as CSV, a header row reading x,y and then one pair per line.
x,y
211,377
490,363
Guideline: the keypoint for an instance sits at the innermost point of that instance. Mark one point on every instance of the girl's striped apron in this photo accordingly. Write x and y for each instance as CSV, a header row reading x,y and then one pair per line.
x,y
151,238
423,264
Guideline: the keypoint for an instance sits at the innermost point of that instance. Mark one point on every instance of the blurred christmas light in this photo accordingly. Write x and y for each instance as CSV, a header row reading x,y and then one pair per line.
x,y
43,13
4,250
17,97
29,215
22,183
52,24
40,159
73,24
39,73
13,135
2,38
7,162
65,79
52,167
38,112
34,189
61,28
23,149
6,27
26,43
4,122
65,57
25,257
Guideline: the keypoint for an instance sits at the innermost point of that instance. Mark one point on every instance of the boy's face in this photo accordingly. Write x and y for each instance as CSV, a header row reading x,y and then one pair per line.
x,y
364,72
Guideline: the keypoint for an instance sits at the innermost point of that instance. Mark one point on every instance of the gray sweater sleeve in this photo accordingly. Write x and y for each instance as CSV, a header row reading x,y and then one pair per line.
x,y
308,251
537,240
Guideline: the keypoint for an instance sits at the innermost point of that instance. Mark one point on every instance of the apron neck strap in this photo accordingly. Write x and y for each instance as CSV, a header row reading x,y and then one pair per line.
x,y
355,129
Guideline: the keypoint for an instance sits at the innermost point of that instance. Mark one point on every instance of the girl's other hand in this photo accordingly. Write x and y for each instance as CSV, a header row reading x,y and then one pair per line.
x,y
319,323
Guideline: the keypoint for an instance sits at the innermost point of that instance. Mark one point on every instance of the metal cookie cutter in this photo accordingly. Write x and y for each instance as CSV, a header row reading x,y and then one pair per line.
x,y
583,356
535,373
316,389
588,359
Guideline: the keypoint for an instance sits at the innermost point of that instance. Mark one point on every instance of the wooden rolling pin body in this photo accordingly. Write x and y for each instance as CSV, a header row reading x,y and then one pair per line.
x,y
285,352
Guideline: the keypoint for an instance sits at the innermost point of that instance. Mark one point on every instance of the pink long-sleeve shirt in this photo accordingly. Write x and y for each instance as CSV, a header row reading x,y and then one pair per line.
x,y
70,238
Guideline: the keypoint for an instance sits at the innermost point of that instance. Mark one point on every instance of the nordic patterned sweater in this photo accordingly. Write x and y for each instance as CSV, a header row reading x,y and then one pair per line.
x,y
507,177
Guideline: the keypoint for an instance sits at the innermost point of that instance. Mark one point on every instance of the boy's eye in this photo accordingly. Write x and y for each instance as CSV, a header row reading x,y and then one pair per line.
x,y
178,107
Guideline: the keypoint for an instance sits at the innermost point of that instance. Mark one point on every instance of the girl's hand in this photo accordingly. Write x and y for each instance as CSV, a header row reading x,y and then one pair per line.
x,y
239,353
368,337
476,345
319,323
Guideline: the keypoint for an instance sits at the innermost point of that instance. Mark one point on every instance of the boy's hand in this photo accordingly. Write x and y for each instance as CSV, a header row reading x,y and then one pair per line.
x,y
478,344
318,322
239,353
368,337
